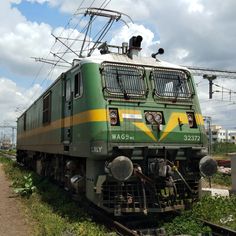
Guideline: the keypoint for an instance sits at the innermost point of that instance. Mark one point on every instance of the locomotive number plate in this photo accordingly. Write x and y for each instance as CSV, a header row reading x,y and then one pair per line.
x,y
191,138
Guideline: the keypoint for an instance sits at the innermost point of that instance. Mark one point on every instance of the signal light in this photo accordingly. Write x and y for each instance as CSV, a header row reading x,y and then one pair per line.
x,y
191,120
114,117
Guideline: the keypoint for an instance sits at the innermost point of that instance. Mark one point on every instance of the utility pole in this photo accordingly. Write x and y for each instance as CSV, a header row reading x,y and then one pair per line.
x,y
210,78
208,120
13,136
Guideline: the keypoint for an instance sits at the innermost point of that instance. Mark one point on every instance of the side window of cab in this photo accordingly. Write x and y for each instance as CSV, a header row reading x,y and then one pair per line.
x,y
78,86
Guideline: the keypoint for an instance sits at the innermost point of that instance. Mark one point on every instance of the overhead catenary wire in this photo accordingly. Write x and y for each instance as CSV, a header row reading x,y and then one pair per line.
x,y
85,27
53,65
200,71
104,4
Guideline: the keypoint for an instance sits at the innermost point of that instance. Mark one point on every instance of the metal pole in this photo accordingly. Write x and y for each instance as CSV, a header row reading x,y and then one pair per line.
x,y
210,136
210,78
12,142
208,120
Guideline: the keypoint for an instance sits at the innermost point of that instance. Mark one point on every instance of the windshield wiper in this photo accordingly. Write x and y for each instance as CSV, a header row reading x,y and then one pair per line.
x,y
178,88
119,81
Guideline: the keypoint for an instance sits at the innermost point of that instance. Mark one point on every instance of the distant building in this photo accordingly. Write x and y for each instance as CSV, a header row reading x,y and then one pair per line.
x,y
221,135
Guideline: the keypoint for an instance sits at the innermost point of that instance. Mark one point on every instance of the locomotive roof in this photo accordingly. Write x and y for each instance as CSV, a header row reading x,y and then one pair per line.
x,y
114,58
137,60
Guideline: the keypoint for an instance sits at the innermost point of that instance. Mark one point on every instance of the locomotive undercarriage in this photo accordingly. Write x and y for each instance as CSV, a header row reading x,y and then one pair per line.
x,y
139,197
166,182
69,172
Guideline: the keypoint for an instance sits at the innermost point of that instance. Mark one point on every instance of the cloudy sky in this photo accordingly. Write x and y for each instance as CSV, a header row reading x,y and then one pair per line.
x,y
198,33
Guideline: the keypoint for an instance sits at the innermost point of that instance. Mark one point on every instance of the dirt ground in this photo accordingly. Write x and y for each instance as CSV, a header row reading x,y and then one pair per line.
x,y
12,219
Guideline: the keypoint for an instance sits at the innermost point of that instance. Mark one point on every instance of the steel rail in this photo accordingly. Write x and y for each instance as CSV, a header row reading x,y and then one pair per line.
x,y
218,230
112,224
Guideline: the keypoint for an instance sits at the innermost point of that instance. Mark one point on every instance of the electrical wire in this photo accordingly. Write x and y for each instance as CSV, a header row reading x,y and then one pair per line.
x,y
53,67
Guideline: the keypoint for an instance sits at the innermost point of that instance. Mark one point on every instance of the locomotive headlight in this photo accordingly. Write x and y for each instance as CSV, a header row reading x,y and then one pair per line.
x,y
149,117
121,168
114,118
153,117
158,117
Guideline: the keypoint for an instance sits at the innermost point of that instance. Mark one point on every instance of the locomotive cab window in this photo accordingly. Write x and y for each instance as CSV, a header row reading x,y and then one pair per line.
x,y
47,108
78,85
171,84
68,90
123,81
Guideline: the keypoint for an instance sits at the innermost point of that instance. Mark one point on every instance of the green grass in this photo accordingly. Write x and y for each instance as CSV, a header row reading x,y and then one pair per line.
x,y
222,179
9,152
223,148
53,211
218,210
186,224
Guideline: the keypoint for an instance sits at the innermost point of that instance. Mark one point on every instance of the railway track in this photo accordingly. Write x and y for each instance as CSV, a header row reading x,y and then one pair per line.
x,y
143,227
127,226
11,156
218,230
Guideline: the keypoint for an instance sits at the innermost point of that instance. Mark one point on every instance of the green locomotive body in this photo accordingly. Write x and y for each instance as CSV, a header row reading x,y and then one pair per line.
x,y
125,130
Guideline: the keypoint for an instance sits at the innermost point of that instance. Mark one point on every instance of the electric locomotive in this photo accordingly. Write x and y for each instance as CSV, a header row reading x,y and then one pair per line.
x,y
124,130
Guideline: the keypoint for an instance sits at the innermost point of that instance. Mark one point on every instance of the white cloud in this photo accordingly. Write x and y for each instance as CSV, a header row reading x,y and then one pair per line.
x,y
181,53
19,99
38,1
194,6
23,42
9,16
125,33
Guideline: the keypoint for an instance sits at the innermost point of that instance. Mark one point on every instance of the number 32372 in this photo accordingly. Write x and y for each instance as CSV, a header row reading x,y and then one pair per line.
x,y
195,138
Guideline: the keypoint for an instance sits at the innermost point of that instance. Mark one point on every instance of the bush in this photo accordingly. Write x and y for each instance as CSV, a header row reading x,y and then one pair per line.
x,y
24,187
50,207
222,179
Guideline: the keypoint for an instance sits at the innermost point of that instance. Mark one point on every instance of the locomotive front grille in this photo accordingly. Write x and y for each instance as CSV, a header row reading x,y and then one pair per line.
x,y
138,197
127,196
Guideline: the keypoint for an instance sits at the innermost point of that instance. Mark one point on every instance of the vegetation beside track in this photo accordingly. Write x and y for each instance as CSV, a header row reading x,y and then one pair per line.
x,y
222,179
186,223
223,148
50,207
218,210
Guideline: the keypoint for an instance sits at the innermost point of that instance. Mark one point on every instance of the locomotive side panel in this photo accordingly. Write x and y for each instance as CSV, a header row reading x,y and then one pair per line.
x,y
90,115
39,128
